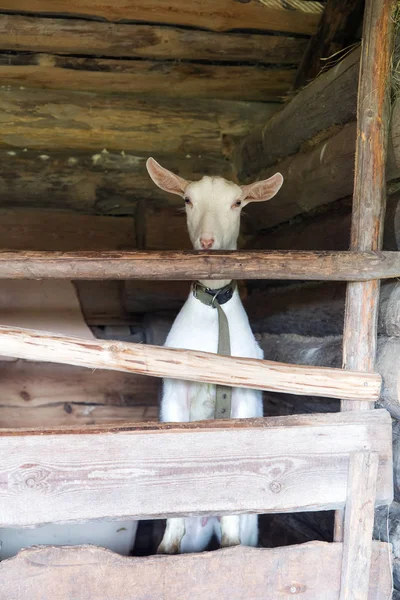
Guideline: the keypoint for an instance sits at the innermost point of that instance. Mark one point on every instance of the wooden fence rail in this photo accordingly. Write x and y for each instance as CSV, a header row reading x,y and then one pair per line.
x,y
188,365
316,265
280,464
311,569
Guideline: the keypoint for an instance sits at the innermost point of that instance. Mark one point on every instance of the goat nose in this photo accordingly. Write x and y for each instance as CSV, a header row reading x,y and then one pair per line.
x,y
206,243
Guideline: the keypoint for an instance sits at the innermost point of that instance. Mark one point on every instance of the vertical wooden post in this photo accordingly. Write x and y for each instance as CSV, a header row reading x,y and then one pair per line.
x,y
359,521
369,198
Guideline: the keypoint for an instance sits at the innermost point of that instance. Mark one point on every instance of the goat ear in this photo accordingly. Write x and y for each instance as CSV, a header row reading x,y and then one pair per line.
x,y
164,179
262,190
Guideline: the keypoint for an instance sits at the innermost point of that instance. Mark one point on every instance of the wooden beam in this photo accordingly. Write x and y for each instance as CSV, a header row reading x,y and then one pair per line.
x,y
313,567
132,40
369,199
320,176
73,121
220,15
289,463
188,365
214,265
329,100
336,30
24,229
358,526
93,182
168,79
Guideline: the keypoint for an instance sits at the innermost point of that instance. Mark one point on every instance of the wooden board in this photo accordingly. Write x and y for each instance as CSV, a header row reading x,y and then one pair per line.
x,y
27,229
34,384
72,121
93,182
211,265
189,365
132,40
218,15
167,79
281,464
46,395
58,414
91,573
358,526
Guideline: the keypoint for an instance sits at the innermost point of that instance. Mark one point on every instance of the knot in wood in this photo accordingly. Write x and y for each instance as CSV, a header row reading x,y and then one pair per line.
x,y
275,487
32,477
295,588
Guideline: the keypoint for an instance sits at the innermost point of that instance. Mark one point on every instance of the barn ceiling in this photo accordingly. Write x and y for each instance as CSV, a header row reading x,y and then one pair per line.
x,y
89,89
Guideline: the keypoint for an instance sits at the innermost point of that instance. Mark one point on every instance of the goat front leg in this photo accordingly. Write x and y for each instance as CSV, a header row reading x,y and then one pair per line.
x,y
173,535
175,408
230,531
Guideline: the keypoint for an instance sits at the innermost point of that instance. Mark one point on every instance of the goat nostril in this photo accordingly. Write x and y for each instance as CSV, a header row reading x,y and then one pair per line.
x,y
206,243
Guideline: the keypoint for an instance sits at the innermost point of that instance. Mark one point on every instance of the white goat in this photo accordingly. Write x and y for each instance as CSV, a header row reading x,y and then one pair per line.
x,y
213,207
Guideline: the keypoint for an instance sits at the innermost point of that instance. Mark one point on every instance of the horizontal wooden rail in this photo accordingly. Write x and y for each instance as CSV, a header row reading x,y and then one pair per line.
x,y
312,569
189,365
280,464
316,265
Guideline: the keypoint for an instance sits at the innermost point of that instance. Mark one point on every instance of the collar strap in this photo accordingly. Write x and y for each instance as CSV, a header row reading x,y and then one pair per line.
x,y
215,298
211,297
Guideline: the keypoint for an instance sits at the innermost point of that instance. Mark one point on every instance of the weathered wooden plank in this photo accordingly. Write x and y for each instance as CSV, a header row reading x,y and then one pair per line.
x,y
58,414
27,229
96,182
232,574
336,30
63,120
214,265
36,394
34,384
358,526
188,365
282,464
132,40
167,79
220,15
329,100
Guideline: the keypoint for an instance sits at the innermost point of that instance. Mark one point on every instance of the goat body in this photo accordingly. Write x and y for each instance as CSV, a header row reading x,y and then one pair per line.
x,y
196,328
213,207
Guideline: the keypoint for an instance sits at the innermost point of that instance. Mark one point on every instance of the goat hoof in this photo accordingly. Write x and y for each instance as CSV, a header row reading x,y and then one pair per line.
x,y
173,548
227,542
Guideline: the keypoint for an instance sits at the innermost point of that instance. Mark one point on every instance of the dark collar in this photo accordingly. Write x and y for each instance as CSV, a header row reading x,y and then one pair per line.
x,y
208,295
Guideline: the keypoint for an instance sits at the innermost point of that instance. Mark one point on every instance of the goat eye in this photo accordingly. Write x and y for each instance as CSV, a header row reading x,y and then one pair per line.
x,y
237,203
187,201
